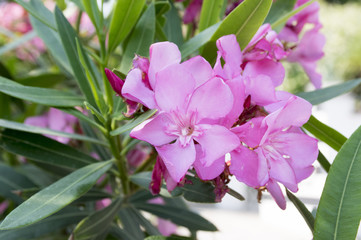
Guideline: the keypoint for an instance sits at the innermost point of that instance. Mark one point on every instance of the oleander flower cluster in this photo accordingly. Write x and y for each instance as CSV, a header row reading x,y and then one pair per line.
x,y
221,120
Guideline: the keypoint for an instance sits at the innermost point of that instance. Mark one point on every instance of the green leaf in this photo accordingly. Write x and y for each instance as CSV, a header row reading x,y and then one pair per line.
x,y
130,223
279,9
11,180
159,237
37,9
97,224
199,191
49,97
64,218
52,42
323,161
306,214
278,25
149,228
140,39
81,116
339,211
44,150
68,38
133,123
173,26
325,133
17,42
198,41
325,94
44,80
119,233
56,196
32,129
179,216
243,21
125,16
210,13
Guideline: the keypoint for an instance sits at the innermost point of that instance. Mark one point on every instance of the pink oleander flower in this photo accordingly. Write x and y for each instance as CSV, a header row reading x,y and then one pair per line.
x,y
55,120
188,106
165,227
192,11
274,149
14,17
308,49
138,155
3,206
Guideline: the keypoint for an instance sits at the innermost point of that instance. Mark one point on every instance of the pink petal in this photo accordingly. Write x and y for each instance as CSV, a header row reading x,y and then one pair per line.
x,y
174,87
303,173
154,130
57,119
276,192
114,81
162,55
251,132
177,158
248,168
212,100
310,69
231,53
215,141
192,11
135,89
211,172
37,121
289,144
274,70
261,89
200,69
166,227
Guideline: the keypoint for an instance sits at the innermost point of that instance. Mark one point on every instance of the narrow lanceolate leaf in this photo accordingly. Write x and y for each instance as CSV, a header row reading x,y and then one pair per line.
x,y
306,214
125,16
37,9
210,13
46,131
49,97
10,181
279,9
44,150
278,25
339,212
97,224
52,41
56,196
140,40
17,42
44,80
133,123
198,41
179,216
198,191
68,39
64,218
173,26
325,133
323,161
325,94
243,21
130,222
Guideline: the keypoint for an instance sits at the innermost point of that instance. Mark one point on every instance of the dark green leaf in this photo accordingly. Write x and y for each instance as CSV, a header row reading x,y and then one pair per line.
x,y
325,94
149,228
325,133
210,13
179,216
52,42
32,129
323,161
198,41
11,180
235,194
44,150
64,218
159,237
243,21
97,224
125,16
68,38
49,97
198,191
45,80
133,123
339,211
279,9
119,233
306,214
130,223
140,39
56,196
173,26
